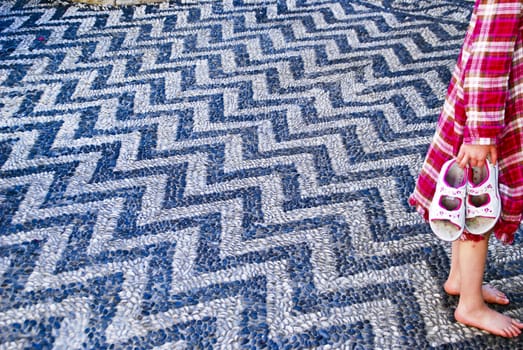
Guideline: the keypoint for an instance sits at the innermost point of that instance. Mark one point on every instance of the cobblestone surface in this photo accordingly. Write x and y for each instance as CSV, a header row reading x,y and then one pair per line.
x,y
227,174
117,2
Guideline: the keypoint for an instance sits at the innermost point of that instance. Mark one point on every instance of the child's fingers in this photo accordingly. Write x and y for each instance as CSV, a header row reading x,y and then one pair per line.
x,y
493,155
462,160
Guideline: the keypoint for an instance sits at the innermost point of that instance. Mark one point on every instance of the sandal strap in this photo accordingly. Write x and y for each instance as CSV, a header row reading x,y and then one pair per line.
x,y
451,192
486,188
486,211
454,216
489,186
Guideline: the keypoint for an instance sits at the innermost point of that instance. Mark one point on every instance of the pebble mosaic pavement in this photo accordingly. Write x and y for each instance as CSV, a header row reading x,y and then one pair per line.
x,y
231,174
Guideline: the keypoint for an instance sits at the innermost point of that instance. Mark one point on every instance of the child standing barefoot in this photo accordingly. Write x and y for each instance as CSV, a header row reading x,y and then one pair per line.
x,y
482,117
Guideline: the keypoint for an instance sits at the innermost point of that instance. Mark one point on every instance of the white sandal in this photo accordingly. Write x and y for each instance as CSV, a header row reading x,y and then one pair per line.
x,y
483,206
447,209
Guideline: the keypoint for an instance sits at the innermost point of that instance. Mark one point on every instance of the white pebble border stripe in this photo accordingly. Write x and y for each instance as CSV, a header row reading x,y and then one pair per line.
x,y
117,2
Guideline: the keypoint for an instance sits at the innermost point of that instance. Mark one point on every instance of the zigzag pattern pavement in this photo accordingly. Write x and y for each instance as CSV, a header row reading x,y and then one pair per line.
x,y
225,174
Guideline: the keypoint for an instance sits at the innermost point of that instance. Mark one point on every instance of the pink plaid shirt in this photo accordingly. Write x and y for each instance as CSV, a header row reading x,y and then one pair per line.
x,y
484,105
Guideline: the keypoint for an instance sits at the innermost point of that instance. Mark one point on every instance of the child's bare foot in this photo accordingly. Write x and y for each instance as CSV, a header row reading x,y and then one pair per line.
x,y
490,293
489,320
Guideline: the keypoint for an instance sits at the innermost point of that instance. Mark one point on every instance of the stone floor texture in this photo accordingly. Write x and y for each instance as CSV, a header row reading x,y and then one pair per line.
x,y
227,174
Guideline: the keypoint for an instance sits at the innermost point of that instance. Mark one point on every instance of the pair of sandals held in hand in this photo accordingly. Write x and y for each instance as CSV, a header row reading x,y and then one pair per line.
x,y
465,199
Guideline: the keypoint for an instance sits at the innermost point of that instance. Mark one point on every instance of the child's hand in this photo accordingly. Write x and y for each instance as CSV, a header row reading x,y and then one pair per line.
x,y
475,155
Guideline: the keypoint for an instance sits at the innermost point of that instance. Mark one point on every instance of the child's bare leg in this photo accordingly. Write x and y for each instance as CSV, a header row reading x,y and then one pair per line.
x,y
451,286
472,310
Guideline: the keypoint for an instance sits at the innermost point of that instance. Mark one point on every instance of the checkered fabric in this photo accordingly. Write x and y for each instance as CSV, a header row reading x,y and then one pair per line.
x,y
484,105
